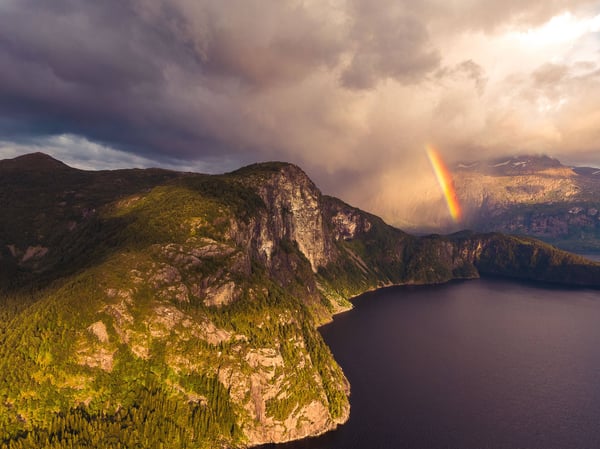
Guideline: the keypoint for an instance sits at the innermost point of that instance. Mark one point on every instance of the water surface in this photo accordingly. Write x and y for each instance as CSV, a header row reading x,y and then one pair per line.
x,y
477,364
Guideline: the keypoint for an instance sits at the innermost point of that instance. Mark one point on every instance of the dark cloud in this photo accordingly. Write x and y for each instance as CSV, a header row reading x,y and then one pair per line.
x,y
256,42
389,42
550,74
94,45
88,68
154,76
469,70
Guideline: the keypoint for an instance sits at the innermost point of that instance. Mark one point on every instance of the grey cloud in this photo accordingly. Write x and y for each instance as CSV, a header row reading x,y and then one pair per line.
x,y
550,74
99,45
259,42
475,72
466,69
83,68
389,42
155,77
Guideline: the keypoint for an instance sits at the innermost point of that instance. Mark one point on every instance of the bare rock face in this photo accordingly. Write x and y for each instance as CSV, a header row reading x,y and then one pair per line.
x,y
293,212
101,358
221,295
348,222
269,381
314,417
293,202
29,256
34,252
97,351
99,330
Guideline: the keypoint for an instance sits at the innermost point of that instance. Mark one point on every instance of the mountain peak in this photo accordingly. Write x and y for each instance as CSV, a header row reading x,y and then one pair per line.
x,y
276,172
512,165
268,168
33,161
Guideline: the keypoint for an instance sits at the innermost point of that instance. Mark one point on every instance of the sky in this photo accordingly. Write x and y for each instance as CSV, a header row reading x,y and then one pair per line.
x,y
351,90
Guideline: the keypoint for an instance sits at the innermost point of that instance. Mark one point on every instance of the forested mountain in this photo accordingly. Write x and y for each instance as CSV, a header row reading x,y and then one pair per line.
x,y
150,308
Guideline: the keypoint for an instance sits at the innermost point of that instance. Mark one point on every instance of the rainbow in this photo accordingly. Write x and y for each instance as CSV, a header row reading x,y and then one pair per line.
x,y
444,178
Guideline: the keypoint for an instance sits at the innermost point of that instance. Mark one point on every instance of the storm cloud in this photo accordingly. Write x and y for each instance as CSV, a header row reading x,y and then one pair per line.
x,y
351,90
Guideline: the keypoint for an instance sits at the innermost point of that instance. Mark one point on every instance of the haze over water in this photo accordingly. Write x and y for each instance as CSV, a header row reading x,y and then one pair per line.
x,y
469,365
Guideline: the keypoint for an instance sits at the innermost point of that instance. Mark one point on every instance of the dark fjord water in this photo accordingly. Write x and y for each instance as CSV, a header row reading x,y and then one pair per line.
x,y
469,365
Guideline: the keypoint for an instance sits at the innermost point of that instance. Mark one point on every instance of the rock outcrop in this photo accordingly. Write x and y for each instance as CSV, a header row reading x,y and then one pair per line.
x,y
293,212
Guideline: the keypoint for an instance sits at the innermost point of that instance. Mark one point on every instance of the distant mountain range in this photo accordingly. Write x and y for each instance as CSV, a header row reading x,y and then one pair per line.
x,y
151,308
535,196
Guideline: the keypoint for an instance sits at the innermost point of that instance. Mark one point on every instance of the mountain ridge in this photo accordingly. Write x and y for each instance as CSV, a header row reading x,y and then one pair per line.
x,y
184,307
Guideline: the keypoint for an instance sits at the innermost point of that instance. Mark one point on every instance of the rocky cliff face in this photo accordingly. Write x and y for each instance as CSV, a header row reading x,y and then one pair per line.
x,y
293,212
192,301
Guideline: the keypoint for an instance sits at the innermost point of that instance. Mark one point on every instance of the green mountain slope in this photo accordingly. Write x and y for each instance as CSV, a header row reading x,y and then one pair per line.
x,y
147,308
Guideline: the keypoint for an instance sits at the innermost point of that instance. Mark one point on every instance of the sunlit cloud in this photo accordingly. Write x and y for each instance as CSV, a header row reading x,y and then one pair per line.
x,y
560,29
